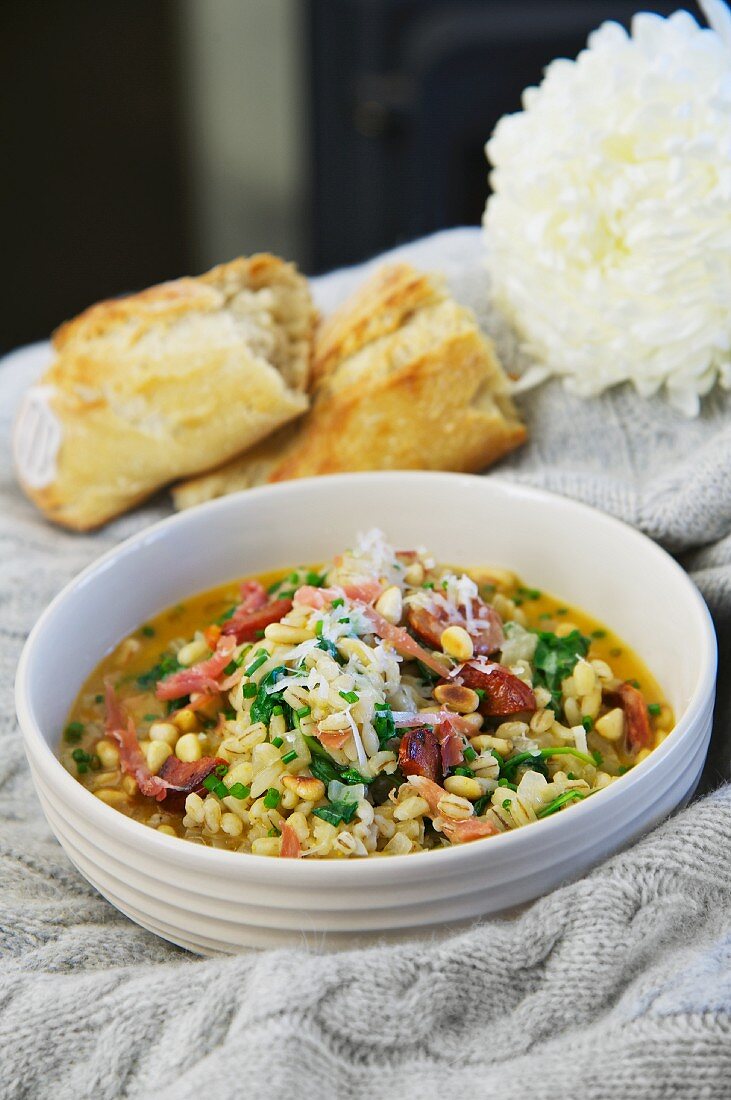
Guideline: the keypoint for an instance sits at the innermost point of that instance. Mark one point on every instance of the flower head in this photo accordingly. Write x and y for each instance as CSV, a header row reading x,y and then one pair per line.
x,y
609,228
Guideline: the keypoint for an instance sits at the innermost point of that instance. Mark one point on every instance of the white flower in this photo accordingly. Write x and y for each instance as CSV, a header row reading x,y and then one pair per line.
x,y
609,230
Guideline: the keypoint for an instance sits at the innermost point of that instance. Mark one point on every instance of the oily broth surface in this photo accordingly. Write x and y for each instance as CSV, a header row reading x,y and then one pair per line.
x,y
142,649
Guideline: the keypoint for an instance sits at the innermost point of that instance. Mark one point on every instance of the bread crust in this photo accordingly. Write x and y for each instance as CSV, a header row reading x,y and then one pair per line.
x,y
404,379
165,383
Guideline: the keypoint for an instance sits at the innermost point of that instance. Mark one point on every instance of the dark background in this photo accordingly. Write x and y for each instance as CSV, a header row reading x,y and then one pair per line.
x,y
148,138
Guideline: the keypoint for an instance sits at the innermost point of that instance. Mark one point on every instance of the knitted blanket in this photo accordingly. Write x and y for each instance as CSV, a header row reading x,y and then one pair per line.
x,y
618,985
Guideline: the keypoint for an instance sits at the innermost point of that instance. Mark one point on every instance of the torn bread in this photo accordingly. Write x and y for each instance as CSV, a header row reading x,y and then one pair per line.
x,y
164,384
404,379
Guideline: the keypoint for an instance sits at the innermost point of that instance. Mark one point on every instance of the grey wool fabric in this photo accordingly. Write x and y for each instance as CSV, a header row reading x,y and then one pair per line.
x,y
618,985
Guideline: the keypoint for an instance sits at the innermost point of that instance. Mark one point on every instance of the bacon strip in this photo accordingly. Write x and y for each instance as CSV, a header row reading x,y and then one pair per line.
x,y
402,641
451,742
472,828
200,677
130,754
332,739
185,777
245,625
290,847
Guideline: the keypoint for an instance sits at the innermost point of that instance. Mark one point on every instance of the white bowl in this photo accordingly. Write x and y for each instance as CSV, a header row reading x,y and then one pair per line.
x,y
212,900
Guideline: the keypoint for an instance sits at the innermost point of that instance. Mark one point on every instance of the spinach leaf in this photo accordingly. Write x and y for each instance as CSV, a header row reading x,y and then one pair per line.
x,y
555,659
265,702
166,665
383,724
335,812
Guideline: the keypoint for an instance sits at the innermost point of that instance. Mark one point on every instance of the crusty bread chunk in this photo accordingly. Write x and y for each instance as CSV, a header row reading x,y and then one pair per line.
x,y
164,384
404,379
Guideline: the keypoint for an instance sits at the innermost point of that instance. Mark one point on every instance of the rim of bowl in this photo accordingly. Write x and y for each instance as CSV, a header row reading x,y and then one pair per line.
x,y
266,868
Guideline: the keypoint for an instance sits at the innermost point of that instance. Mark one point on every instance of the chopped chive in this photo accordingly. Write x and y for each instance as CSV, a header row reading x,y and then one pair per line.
x,y
73,732
271,798
634,683
598,633
289,756
277,742
622,770
220,789
615,652
249,691
506,803
303,712
220,770
293,578
98,698
598,758
315,579
587,722
562,610
349,696
654,708
80,756
230,668
339,602
238,790
259,634
318,628
210,782
229,714
480,692
469,753
258,661
81,768
147,630
428,584
345,620
461,770
545,615
570,775
518,601
274,831
507,783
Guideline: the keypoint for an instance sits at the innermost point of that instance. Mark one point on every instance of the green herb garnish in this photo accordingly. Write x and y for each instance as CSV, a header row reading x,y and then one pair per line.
x,y
271,798
261,657
349,696
238,790
533,757
555,659
167,664
74,732
562,800
249,691
384,725
654,709
266,702
147,630
588,723
338,811
289,756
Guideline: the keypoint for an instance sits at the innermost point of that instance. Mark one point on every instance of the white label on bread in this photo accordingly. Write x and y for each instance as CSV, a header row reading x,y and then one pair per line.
x,y
37,438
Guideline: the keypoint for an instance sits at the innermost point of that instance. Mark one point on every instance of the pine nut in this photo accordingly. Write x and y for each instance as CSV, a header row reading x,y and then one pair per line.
x,y
457,697
456,642
390,605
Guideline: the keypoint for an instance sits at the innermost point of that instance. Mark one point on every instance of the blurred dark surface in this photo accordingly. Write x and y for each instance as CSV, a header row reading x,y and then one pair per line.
x,y
397,96
93,187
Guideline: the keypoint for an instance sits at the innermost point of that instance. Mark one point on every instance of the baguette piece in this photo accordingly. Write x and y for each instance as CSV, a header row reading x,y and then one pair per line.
x,y
164,384
404,379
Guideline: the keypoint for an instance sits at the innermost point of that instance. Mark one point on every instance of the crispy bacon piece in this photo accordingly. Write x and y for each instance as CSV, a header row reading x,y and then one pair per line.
x,y
254,596
419,753
451,742
319,598
184,777
402,641
201,677
246,625
487,636
429,790
632,702
290,847
504,693
332,739
131,758
472,828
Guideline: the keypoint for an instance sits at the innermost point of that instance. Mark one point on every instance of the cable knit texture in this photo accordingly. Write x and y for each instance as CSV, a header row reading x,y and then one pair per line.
x,y
618,985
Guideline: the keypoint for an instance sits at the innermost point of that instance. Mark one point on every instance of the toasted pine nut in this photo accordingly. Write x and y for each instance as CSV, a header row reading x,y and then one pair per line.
x,y
165,731
463,785
107,752
611,725
305,787
189,748
457,697
390,604
456,642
